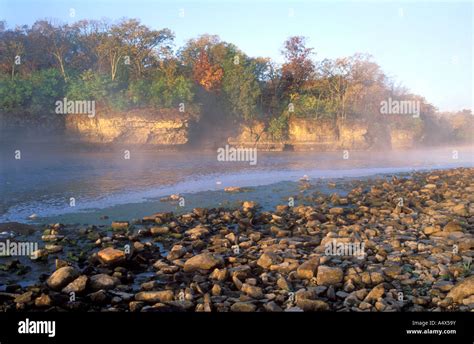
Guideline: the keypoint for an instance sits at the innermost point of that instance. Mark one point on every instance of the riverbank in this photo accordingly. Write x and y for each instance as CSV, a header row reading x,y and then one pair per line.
x,y
403,243
174,130
170,129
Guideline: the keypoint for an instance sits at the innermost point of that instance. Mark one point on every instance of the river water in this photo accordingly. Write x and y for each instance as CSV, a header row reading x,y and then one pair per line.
x,y
102,183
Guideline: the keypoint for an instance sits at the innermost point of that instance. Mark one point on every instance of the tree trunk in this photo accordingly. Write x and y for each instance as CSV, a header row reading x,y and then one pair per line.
x,y
61,65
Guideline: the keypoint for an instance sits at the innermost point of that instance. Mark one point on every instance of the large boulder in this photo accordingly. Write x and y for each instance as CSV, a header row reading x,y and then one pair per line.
x,y
62,277
462,290
203,261
76,286
329,275
111,256
308,269
103,281
267,259
155,296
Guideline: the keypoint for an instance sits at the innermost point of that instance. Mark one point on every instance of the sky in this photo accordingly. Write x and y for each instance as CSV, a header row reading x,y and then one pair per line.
x,y
426,46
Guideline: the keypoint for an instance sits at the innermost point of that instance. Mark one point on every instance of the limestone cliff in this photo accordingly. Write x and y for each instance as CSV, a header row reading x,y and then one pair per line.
x,y
256,135
462,127
403,138
406,132
306,134
134,127
171,128
327,134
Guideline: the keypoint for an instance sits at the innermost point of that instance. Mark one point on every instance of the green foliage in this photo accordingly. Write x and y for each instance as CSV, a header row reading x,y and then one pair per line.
x,y
118,99
240,86
36,93
305,106
278,127
89,86
169,90
165,89
14,93
326,108
48,86
169,93
139,92
99,87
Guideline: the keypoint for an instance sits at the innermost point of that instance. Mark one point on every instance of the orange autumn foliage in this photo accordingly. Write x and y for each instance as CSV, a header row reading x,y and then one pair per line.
x,y
206,74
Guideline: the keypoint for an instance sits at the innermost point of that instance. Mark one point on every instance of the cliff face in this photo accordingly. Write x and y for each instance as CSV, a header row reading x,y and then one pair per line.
x,y
255,135
135,127
462,127
353,135
403,138
306,134
327,135
406,132
171,128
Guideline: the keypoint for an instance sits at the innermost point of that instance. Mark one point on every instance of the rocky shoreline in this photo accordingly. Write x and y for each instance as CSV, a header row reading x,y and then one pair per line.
x,y
403,243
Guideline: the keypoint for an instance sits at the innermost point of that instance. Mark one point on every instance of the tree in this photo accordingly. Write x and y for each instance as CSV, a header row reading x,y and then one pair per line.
x,y
129,42
240,84
58,42
112,50
14,94
169,87
367,87
204,58
208,75
299,67
336,75
89,34
12,47
145,45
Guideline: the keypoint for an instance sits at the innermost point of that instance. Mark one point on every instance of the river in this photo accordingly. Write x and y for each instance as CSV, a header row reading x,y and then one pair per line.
x,y
103,182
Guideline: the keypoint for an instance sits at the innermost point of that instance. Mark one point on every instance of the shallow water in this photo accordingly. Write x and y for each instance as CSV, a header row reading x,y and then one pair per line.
x,y
104,183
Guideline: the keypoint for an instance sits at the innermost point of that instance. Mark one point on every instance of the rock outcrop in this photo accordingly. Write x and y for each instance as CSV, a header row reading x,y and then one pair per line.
x,y
305,134
134,127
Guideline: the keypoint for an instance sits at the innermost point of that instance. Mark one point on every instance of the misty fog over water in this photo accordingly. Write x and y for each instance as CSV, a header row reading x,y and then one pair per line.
x,y
44,180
